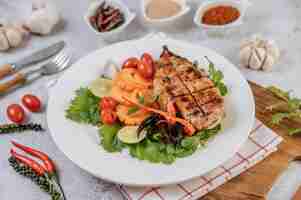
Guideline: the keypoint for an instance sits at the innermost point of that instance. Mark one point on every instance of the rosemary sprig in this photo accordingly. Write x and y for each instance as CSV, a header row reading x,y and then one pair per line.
x,y
42,181
11,128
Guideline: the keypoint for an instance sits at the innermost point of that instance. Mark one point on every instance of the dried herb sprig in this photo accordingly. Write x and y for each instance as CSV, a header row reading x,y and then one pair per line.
x,y
41,180
12,128
288,108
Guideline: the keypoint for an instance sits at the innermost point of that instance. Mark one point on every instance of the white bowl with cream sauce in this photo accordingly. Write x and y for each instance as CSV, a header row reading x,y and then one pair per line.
x,y
163,12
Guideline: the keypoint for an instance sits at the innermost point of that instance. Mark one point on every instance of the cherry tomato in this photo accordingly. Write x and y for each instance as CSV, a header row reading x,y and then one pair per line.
x,y
31,102
131,63
15,113
189,130
147,58
108,116
108,103
145,70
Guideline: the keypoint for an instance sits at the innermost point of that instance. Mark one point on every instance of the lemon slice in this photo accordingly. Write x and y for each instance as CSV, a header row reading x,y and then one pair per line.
x,y
101,87
129,135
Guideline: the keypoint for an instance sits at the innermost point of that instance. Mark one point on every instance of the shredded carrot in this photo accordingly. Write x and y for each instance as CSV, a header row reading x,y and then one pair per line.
x,y
171,110
190,130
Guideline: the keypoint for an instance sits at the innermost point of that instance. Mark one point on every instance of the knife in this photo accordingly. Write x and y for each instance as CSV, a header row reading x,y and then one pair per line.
x,y
36,57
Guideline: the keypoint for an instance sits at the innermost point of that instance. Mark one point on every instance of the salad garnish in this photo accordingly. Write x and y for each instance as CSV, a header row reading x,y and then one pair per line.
x,y
150,107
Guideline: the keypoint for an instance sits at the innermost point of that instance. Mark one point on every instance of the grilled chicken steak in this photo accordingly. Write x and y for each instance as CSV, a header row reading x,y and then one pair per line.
x,y
194,94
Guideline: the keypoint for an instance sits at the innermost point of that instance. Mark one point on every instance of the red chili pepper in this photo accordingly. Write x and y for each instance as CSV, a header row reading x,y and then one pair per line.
x,y
48,163
29,162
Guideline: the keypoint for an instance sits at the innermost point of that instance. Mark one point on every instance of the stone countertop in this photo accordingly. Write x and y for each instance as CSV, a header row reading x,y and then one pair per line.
x,y
279,20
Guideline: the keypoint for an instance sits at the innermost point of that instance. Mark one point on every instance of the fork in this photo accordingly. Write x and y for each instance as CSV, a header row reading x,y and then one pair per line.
x,y
57,64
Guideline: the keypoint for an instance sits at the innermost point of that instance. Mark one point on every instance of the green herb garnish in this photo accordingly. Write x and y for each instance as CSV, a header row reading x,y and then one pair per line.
x,y
156,98
141,99
278,117
109,139
289,108
84,107
217,77
279,93
294,131
152,148
166,78
105,77
133,110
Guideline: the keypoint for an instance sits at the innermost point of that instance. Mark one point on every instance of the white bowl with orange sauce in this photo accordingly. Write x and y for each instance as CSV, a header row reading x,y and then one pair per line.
x,y
241,7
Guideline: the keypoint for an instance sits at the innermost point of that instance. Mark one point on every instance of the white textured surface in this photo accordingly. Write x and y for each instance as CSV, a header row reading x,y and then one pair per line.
x,y
279,20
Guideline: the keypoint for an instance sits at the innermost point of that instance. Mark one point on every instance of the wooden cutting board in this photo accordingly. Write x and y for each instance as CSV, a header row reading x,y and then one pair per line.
x,y
255,183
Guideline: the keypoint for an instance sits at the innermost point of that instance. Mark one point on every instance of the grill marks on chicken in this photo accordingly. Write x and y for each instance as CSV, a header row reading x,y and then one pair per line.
x,y
207,95
194,94
168,81
194,79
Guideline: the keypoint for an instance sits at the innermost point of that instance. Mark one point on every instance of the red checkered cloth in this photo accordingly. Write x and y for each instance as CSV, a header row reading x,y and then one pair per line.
x,y
261,143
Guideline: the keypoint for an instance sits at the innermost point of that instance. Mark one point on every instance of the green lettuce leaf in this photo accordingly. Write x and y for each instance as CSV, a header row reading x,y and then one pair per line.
x,y
109,140
217,77
84,107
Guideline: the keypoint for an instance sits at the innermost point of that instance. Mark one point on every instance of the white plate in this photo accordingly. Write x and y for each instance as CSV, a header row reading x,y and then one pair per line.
x,y
80,143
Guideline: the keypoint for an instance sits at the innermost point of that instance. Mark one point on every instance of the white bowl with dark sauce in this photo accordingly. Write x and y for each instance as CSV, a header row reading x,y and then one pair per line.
x,y
114,34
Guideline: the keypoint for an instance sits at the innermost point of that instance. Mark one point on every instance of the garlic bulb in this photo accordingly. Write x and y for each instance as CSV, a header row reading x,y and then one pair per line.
x,y
11,36
43,19
4,45
258,53
14,36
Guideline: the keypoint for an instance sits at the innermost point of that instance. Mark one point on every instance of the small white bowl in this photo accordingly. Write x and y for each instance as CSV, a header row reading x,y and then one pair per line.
x,y
113,34
169,21
241,5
